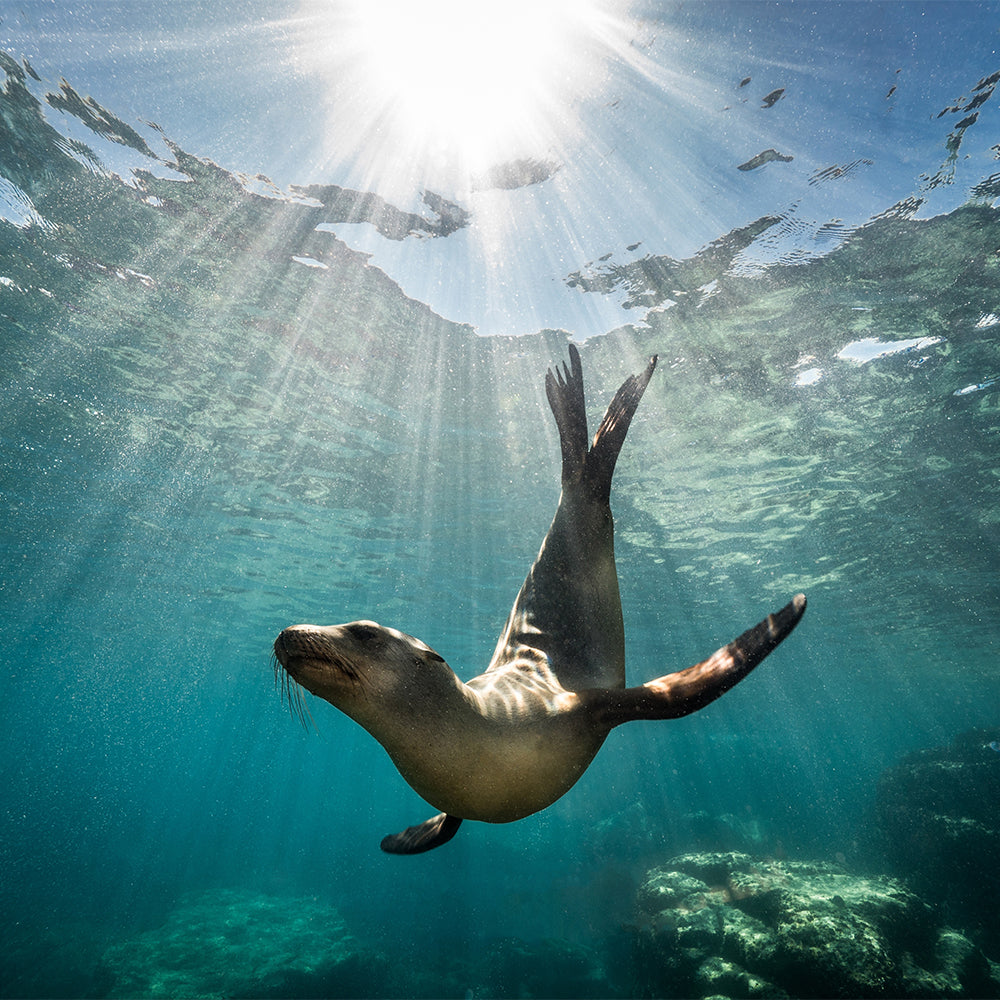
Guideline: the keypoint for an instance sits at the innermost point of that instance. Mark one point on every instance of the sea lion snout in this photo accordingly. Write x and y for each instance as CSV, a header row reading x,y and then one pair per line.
x,y
311,653
328,642
293,641
332,653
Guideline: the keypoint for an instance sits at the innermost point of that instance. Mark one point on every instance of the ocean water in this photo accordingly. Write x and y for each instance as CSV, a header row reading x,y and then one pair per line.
x,y
218,420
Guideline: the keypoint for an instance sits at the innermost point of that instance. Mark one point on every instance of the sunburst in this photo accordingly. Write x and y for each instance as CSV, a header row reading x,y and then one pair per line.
x,y
450,86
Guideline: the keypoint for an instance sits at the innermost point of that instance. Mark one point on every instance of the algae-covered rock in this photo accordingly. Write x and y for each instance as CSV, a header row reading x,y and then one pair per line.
x,y
727,924
238,944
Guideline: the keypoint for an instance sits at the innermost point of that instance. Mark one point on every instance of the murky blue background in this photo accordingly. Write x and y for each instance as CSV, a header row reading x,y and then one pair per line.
x,y
218,420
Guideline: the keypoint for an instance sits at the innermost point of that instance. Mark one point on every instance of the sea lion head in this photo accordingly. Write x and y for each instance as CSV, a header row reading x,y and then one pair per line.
x,y
356,665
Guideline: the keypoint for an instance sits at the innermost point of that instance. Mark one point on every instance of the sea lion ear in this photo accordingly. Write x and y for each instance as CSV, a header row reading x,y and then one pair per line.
x,y
424,836
426,653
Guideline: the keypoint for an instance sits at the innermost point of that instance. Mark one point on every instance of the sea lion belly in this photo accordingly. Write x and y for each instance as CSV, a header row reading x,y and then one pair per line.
x,y
494,770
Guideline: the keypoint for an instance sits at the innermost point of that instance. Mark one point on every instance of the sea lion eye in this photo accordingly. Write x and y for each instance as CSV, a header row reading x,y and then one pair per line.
x,y
362,632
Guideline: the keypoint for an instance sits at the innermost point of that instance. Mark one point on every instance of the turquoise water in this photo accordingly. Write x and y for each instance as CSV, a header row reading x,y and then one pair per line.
x,y
207,437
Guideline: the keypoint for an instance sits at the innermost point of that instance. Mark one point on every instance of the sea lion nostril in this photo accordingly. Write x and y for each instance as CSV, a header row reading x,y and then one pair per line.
x,y
290,642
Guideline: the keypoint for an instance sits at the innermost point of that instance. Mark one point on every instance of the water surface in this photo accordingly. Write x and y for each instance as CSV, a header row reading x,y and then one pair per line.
x,y
222,416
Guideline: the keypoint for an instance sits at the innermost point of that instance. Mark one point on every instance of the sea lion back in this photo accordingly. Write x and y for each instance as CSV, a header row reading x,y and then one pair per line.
x,y
566,624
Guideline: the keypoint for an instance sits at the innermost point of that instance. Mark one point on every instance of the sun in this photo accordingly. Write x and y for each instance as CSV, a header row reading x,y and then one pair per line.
x,y
469,77
459,83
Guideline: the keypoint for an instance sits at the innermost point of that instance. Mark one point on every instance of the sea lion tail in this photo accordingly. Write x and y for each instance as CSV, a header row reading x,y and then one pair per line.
x,y
595,466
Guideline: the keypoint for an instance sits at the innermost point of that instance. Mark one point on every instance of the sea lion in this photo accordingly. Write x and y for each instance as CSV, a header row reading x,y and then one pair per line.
x,y
514,739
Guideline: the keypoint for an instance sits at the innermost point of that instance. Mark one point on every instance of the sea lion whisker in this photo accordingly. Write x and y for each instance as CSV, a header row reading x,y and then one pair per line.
x,y
348,669
291,692
301,706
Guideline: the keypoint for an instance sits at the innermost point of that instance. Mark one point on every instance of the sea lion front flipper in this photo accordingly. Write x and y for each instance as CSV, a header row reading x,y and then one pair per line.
x,y
424,836
686,691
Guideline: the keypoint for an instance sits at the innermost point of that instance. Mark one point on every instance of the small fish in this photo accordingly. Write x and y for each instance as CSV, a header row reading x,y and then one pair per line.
x,y
993,745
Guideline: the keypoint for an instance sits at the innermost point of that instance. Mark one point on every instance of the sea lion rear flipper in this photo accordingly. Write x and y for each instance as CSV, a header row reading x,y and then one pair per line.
x,y
565,394
424,836
610,436
686,691
564,390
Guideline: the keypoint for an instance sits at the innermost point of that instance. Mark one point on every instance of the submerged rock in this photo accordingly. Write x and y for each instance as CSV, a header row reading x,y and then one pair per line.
x,y
240,944
938,814
730,925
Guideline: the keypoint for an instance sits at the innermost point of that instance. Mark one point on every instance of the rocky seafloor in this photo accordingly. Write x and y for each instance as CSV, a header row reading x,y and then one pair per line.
x,y
727,924
918,919
227,943
938,814
710,924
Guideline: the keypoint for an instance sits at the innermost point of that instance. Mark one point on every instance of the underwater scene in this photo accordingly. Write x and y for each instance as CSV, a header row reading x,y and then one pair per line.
x,y
280,284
